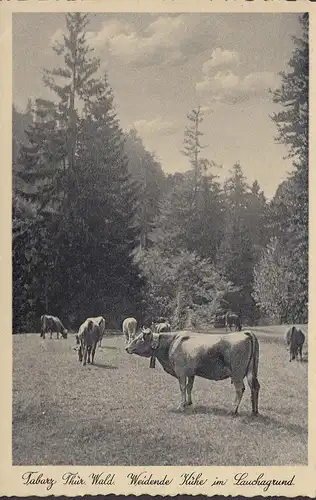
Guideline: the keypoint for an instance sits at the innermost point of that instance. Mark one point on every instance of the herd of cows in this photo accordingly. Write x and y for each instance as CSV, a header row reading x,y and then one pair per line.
x,y
185,354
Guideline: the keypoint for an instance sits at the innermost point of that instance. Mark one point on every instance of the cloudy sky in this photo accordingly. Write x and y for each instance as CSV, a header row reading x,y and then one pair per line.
x,y
160,66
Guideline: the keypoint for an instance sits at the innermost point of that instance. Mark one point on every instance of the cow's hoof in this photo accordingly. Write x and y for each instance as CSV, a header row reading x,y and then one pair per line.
x,y
189,403
255,414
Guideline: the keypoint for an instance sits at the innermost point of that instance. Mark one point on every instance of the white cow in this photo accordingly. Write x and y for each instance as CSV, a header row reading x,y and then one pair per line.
x,y
87,338
101,322
129,329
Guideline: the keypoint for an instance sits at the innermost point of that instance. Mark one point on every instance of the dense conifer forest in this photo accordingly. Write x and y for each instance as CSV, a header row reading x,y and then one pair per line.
x,y
100,229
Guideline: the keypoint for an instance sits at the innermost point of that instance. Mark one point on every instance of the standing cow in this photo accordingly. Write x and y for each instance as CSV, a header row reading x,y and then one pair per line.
x,y
185,355
294,339
232,319
129,329
87,338
52,324
101,322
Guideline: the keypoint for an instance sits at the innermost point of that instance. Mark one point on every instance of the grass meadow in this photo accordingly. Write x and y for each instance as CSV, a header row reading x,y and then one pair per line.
x,y
121,412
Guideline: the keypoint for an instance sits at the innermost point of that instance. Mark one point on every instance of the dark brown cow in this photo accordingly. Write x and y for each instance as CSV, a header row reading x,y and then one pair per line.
x,y
185,355
88,337
295,338
232,319
52,324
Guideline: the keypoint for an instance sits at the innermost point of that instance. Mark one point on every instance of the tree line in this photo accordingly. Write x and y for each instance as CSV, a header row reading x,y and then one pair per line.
x,y
98,228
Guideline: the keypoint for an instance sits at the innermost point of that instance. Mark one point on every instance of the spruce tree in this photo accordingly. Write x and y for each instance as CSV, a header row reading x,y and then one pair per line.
x,y
236,254
78,179
293,125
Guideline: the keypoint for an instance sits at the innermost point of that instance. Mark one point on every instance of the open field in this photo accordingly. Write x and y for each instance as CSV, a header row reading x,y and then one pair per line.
x,y
121,412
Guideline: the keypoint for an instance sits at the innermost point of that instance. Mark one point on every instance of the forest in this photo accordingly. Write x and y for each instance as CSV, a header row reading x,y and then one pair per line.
x,y
98,228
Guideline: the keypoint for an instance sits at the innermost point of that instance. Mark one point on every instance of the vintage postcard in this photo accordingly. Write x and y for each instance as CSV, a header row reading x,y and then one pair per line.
x,y
157,290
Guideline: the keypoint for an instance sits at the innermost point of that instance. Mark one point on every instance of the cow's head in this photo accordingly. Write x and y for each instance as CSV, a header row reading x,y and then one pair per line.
x,y
64,333
143,344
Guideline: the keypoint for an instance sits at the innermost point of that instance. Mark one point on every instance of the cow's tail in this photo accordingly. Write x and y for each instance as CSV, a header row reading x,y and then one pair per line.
x,y
253,358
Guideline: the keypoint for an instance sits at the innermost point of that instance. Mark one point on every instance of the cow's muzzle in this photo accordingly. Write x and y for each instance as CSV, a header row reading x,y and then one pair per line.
x,y
128,349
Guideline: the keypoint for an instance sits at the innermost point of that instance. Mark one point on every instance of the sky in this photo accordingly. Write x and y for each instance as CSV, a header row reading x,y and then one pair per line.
x,y
161,66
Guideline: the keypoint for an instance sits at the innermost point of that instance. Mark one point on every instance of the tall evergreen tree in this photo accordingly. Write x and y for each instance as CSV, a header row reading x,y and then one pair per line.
x,y
144,169
236,254
78,179
292,125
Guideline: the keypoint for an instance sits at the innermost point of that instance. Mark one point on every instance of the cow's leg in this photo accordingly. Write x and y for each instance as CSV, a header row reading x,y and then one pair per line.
x,y
189,389
240,389
254,386
300,351
182,382
51,334
80,354
89,353
85,352
93,353
293,353
57,335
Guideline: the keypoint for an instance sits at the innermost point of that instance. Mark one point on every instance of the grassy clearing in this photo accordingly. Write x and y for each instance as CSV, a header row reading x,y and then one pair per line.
x,y
120,412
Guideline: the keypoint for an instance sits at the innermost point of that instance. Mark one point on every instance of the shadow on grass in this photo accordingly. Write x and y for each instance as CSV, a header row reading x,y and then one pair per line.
x,y
245,418
200,409
110,347
105,367
274,422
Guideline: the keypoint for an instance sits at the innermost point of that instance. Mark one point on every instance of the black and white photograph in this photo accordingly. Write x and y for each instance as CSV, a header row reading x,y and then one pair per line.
x,y
160,239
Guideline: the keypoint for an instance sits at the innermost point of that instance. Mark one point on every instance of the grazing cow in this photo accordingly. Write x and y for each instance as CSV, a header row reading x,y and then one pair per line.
x,y
163,327
185,355
101,322
52,324
232,319
219,320
295,338
129,329
87,338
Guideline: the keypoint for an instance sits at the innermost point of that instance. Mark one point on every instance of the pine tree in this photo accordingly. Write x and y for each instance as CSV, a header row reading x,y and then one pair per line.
x,y
77,176
292,125
236,254
146,171
258,219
